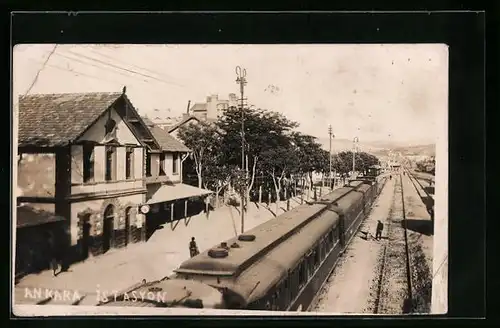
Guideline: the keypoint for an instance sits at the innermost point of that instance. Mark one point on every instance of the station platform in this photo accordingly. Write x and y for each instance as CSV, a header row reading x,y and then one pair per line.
x,y
118,269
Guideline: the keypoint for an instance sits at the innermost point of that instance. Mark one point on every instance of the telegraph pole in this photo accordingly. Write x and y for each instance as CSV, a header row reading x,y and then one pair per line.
x,y
354,142
241,74
330,174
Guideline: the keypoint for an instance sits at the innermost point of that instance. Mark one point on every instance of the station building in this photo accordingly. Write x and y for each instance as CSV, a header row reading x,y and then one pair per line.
x,y
89,162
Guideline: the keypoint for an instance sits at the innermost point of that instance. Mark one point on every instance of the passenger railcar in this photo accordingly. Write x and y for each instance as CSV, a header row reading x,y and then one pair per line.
x,y
282,263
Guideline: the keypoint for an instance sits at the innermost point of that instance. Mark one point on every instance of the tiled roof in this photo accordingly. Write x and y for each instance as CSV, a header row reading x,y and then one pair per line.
x,y
28,217
165,140
198,107
51,120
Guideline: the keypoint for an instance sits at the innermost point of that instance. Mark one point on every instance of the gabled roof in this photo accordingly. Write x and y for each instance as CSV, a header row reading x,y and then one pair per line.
x,y
165,140
184,121
54,120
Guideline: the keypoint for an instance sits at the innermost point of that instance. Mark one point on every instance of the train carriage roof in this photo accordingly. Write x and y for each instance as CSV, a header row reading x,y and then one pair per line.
x,y
357,189
267,235
283,241
270,269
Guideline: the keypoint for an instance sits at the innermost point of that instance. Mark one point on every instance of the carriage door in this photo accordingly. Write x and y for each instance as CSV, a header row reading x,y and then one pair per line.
x,y
342,231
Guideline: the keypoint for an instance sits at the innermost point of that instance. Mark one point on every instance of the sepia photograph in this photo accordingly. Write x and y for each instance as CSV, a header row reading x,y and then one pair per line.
x,y
202,179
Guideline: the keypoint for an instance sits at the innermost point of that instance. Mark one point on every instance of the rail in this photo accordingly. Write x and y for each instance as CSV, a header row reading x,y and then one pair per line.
x,y
394,212
407,250
414,180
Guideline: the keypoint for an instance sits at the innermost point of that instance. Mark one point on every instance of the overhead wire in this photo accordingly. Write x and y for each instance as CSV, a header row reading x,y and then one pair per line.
x,y
124,69
132,65
35,80
63,55
189,82
98,78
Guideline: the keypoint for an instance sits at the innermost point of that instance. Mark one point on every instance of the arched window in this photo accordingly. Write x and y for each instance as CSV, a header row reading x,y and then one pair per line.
x,y
109,126
109,212
108,227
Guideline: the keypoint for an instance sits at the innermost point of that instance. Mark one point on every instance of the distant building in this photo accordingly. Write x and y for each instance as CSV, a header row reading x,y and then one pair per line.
x,y
213,107
163,118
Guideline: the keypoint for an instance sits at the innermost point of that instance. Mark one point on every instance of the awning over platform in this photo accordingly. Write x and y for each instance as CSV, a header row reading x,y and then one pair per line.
x,y
27,216
167,193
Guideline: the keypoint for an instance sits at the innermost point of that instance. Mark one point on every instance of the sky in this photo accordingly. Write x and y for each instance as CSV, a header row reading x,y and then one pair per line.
x,y
378,92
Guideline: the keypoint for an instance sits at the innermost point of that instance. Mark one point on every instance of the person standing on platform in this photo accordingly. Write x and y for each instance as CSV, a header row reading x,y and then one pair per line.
x,y
193,248
380,227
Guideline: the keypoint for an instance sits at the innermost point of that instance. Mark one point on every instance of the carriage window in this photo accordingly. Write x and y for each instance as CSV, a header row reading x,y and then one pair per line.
x,y
286,292
317,258
331,236
302,274
274,302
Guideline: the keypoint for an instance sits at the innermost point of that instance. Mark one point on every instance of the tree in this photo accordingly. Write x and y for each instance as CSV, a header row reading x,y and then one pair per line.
x,y
264,131
278,163
363,160
310,156
217,174
204,141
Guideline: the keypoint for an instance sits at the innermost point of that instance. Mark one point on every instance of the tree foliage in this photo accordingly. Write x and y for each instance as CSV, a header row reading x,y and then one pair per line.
x,y
273,148
205,143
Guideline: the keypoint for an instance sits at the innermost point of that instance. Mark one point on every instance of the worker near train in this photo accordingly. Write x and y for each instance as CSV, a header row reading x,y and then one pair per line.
x,y
380,227
193,248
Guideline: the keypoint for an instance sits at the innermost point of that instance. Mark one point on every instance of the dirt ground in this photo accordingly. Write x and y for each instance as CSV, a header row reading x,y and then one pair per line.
x,y
354,284
349,289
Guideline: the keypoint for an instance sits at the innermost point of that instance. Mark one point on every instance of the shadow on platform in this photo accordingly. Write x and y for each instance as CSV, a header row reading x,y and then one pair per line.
x,y
424,227
160,220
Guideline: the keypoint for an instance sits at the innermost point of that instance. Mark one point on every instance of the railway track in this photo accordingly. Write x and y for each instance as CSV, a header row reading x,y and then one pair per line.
x,y
418,185
426,197
394,294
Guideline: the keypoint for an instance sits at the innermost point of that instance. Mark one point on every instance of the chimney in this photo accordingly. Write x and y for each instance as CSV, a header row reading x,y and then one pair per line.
x,y
124,90
189,104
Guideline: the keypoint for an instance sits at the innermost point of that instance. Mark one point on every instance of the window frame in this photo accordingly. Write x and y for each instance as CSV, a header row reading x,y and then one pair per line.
x,y
129,163
175,159
148,164
88,153
110,164
161,170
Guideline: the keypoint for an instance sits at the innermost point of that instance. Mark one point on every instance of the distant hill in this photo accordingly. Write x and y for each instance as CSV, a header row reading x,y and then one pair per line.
x,y
380,148
417,150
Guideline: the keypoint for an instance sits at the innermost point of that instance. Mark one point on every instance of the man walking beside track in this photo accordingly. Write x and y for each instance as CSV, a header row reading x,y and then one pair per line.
x,y
380,227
